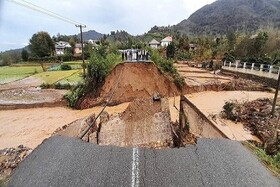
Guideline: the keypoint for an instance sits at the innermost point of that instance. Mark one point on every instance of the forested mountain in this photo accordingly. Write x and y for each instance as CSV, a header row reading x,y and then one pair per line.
x,y
223,16
91,34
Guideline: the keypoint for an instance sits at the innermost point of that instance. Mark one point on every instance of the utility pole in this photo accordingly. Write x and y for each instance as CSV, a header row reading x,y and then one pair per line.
x,y
275,96
82,43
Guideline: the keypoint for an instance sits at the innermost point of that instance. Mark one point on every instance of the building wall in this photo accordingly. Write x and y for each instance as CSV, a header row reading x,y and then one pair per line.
x,y
78,50
165,43
154,46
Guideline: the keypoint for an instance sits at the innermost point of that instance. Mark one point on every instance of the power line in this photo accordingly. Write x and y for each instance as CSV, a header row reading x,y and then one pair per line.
x,y
44,11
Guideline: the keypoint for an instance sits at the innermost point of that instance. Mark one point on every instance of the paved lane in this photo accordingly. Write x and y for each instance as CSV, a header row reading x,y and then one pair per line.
x,y
62,161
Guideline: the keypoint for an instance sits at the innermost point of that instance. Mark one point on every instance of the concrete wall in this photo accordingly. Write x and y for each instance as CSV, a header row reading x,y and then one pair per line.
x,y
271,82
197,123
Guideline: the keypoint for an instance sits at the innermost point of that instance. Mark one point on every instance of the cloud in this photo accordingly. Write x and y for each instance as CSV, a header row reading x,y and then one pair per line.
x,y
19,23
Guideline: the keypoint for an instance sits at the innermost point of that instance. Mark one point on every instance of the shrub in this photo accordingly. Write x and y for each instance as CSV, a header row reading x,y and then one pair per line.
x,y
100,64
179,82
65,86
65,67
45,86
166,66
75,94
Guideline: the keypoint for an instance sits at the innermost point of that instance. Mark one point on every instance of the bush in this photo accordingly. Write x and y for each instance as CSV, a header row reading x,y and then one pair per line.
x,y
45,86
166,66
75,94
65,86
179,82
182,55
100,64
65,67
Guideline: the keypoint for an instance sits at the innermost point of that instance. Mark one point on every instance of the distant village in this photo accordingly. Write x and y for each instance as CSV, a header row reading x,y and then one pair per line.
x,y
62,46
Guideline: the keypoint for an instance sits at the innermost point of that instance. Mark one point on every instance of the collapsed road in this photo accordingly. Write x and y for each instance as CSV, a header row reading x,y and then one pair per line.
x,y
64,161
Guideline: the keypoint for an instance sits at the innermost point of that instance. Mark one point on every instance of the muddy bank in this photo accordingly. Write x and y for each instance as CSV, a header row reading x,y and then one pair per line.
x,y
130,81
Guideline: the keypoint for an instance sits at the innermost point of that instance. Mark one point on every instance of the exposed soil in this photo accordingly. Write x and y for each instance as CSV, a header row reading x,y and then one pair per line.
x,y
130,81
23,83
31,97
26,93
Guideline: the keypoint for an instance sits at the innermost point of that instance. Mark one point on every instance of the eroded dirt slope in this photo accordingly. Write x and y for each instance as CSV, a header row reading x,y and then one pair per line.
x,y
131,81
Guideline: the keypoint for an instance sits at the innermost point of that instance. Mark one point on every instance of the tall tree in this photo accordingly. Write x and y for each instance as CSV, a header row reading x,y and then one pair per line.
x,y
231,37
24,55
41,45
170,50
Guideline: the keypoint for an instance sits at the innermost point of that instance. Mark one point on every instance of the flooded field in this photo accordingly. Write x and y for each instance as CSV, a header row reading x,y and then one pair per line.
x,y
30,127
211,104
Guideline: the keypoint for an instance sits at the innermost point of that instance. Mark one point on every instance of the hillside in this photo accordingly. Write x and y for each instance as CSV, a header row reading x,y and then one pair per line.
x,y
91,34
232,15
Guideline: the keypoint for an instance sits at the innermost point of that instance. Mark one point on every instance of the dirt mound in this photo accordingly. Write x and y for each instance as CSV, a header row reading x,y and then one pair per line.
x,y
131,81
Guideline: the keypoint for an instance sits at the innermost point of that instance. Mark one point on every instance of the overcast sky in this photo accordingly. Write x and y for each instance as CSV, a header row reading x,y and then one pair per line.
x,y
18,23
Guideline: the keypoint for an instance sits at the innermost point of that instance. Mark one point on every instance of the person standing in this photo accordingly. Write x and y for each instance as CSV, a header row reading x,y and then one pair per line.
x,y
125,54
122,55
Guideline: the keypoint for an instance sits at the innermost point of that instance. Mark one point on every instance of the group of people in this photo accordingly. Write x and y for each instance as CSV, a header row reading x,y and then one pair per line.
x,y
135,55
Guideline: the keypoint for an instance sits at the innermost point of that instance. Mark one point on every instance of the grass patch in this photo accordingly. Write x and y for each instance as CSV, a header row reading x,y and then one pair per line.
x,y
74,79
51,77
271,162
79,62
13,73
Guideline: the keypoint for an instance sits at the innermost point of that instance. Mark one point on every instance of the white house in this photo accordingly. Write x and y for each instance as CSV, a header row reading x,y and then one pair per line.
x,y
154,44
60,47
166,41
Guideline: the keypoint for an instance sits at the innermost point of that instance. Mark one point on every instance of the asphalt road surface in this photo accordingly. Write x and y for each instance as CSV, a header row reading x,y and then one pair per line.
x,y
62,161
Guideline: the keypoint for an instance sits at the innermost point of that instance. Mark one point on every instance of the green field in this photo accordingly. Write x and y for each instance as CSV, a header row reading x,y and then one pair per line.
x,y
51,77
20,71
10,73
73,79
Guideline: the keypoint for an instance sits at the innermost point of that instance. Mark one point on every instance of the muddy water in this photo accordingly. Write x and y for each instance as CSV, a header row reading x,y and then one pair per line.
x,y
31,126
211,103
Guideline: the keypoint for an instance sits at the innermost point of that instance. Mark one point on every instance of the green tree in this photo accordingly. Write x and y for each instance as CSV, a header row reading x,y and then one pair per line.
x,y
24,55
231,37
259,44
41,45
170,50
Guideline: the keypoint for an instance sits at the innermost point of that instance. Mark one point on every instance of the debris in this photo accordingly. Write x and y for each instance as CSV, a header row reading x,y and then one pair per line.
x,y
10,158
244,84
156,96
256,117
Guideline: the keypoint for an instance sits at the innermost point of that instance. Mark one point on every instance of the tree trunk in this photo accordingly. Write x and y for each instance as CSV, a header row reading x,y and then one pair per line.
x,y
43,67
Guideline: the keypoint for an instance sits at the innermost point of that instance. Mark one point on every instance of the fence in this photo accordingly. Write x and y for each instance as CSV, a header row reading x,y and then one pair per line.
x,y
264,70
